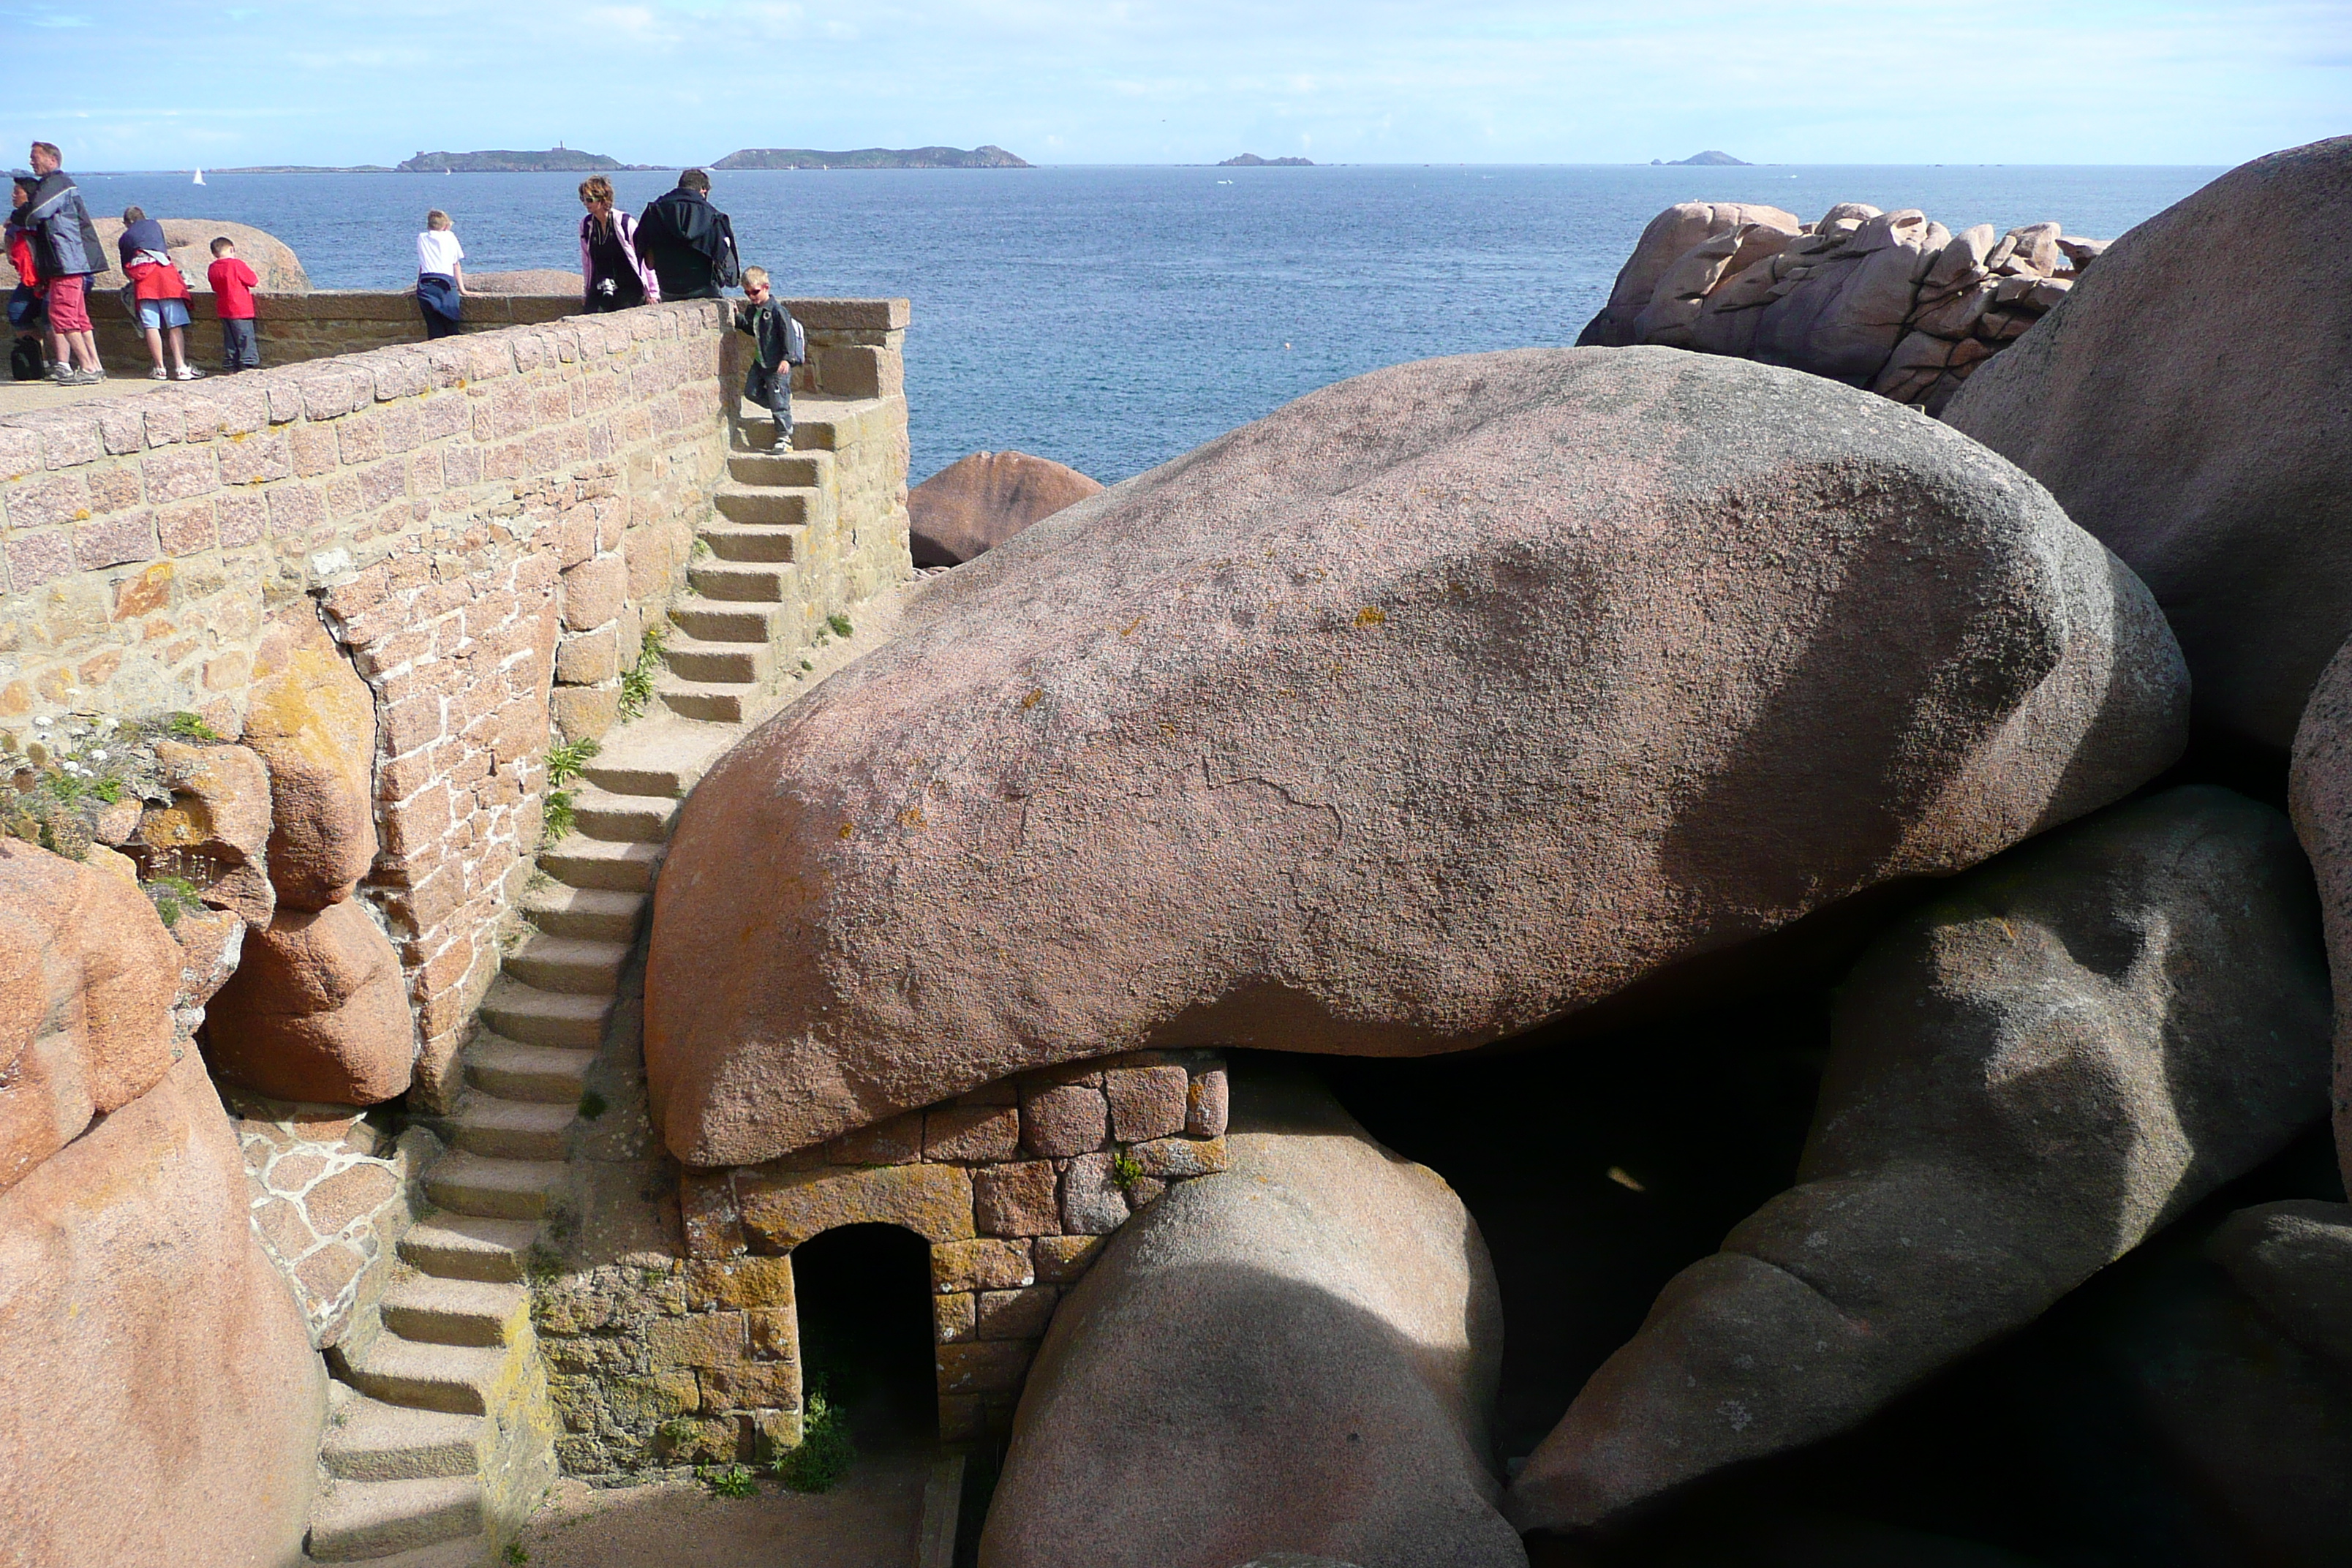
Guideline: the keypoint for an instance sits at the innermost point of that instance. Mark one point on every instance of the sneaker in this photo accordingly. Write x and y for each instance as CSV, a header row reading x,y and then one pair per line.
x,y
62,374
187,373
159,373
87,378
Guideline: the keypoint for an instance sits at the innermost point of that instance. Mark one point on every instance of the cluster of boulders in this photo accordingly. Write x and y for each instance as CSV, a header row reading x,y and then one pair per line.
x,y
1890,301
1472,695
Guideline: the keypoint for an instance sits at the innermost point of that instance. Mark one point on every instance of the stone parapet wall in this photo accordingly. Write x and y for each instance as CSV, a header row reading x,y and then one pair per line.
x,y
1015,1186
856,346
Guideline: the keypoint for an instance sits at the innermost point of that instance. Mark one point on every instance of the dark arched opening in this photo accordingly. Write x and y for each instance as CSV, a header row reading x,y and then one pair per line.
x,y
864,1294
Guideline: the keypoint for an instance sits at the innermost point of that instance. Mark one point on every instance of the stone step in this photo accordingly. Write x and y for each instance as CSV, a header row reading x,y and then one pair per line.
x,y
578,966
455,1379
463,1551
470,1246
713,702
753,543
792,505
740,584
538,1018
358,1521
622,818
709,621
492,1189
580,861
502,1129
545,1075
814,428
457,1311
368,1440
736,663
812,470
596,913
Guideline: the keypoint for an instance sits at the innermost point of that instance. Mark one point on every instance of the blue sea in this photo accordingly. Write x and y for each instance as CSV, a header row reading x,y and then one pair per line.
x,y
1113,318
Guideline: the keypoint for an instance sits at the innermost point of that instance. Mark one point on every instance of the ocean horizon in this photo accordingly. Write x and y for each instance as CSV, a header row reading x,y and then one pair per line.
x,y
1115,316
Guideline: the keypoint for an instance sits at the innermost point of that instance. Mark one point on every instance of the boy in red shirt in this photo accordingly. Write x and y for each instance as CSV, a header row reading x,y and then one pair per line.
x,y
233,284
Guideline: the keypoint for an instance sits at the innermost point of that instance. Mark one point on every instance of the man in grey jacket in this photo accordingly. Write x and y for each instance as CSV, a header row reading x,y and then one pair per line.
x,y
67,246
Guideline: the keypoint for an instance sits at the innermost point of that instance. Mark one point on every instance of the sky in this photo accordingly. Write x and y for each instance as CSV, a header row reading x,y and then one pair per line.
x,y
1171,81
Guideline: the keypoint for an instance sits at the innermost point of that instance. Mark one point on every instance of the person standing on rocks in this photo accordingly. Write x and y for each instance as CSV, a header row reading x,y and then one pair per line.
x,y
440,276
689,243
67,246
616,276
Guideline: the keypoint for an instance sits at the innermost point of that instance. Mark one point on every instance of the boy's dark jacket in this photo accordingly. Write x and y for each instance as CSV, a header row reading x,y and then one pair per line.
x,y
770,326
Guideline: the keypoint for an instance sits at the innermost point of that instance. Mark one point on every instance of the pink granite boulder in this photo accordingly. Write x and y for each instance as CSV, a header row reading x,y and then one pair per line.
x,y
312,719
978,502
86,979
160,1401
1437,704
317,1011
2057,1057
2194,411
1666,240
2319,798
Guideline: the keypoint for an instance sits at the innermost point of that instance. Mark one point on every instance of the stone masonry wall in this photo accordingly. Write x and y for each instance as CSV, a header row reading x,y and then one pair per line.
x,y
489,523
1015,1186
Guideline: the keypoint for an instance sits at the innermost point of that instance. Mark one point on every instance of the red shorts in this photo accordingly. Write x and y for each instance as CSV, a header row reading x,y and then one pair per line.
x,y
68,304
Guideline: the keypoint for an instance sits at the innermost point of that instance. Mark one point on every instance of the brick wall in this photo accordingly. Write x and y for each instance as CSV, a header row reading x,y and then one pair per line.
x,y
1015,1187
476,518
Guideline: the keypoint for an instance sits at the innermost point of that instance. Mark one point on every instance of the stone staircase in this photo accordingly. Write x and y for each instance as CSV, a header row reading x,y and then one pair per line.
x,y
441,1437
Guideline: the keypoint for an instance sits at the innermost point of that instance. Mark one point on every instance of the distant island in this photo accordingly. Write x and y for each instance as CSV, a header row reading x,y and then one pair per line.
x,y
871,158
556,159
1252,161
1710,159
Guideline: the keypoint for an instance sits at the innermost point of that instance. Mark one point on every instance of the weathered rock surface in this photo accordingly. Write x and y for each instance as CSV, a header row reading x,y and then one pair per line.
x,y
1297,1356
2196,414
86,979
1890,301
527,281
214,834
1664,241
2293,1259
2026,1078
978,502
190,241
316,1010
1439,703
159,1398
2319,797
312,719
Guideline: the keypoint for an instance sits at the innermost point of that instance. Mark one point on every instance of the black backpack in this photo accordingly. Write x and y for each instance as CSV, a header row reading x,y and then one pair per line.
x,y
25,360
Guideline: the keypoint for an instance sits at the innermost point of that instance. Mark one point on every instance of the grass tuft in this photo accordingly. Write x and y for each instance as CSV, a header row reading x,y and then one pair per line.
x,y
730,1481
825,1451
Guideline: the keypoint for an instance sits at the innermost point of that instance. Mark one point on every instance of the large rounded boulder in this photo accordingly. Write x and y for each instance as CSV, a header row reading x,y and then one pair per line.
x,y
190,243
2026,1078
978,502
1297,1356
2190,402
317,1011
159,1398
1434,705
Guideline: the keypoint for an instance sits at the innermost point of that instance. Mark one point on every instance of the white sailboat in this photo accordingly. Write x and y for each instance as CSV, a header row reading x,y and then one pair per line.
x,y
200,176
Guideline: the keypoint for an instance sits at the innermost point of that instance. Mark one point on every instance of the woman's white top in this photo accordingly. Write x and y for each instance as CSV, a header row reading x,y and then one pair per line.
x,y
437,250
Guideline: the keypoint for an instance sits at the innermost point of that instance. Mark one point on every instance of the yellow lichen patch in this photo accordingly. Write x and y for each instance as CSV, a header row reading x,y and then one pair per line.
x,y
1371,616
911,818
1128,630
1031,699
846,829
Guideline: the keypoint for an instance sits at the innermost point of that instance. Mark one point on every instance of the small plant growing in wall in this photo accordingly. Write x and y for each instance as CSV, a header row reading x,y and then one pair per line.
x,y
637,680
189,727
564,762
172,897
1124,1170
840,624
592,1105
825,1451
515,1553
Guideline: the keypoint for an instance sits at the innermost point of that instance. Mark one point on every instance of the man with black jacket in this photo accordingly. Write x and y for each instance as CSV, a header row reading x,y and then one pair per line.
x,y
689,244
